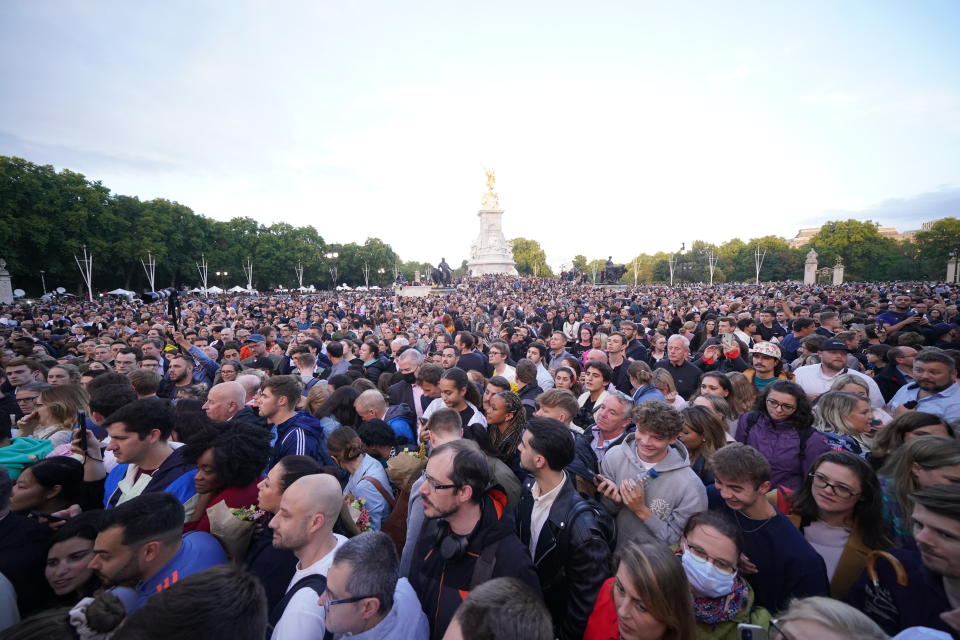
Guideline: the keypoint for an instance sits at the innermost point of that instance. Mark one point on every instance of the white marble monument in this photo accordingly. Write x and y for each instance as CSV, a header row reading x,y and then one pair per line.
x,y
490,252
6,289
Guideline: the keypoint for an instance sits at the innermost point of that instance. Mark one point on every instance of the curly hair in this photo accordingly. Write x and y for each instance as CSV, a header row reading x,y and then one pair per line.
x,y
240,451
505,441
802,416
659,418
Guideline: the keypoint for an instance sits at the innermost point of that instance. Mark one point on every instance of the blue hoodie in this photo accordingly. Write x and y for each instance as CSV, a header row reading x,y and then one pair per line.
x,y
301,435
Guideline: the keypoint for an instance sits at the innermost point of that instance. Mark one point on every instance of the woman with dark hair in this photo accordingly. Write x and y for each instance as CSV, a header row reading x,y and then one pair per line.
x,y
703,433
839,510
338,410
373,364
649,598
709,552
275,567
459,394
708,329
780,427
368,479
228,372
716,383
902,429
230,458
571,327
658,347
584,340
506,419
54,484
68,560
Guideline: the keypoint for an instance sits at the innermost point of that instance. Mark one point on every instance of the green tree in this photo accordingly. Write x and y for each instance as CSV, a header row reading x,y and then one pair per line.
x,y
857,243
530,258
580,262
934,246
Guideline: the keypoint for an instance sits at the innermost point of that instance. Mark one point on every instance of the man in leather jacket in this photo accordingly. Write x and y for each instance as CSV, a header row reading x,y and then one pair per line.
x,y
568,535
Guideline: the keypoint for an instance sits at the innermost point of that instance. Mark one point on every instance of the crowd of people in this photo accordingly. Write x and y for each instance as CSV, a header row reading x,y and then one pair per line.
x,y
519,458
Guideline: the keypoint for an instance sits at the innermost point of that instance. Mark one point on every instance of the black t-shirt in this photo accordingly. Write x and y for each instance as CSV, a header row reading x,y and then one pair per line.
x,y
766,334
466,415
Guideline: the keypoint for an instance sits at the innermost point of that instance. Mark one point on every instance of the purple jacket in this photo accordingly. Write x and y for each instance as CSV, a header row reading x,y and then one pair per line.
x,y
780,445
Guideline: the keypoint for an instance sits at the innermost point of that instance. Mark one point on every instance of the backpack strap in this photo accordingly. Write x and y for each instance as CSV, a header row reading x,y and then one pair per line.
x,y
804,437
313,581
389,497
752,419
485,564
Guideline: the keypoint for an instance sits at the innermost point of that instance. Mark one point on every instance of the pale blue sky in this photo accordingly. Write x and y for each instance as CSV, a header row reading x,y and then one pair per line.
x,y
650,123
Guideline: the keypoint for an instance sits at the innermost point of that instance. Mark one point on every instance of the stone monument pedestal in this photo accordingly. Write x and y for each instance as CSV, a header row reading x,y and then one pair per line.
x,y
490,252
953,273
838,272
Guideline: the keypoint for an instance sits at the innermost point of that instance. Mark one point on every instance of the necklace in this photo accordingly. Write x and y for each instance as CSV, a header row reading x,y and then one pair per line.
x,y
762,525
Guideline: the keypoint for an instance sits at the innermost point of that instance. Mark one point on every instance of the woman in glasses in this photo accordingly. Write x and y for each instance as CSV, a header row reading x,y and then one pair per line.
x,y
839,510
780,427
709,552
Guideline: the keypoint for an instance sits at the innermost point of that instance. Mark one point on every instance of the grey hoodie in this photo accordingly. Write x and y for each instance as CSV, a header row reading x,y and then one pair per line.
x,y
674,495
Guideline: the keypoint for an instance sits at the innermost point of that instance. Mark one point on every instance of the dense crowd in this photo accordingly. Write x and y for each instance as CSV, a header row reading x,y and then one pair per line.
x,y
520,458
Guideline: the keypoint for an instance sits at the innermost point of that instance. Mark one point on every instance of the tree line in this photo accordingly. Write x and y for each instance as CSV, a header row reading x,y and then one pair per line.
x,y
866,255
47,217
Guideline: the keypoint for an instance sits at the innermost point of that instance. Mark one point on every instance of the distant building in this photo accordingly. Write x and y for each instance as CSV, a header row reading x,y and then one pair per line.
x,y
804,236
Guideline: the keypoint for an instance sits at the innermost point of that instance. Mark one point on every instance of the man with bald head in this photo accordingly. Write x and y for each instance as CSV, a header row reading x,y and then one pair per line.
x,y
304,524
224,401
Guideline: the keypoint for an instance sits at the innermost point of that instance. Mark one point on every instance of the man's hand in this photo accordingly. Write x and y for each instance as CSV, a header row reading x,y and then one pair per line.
x,y
608,488
634,498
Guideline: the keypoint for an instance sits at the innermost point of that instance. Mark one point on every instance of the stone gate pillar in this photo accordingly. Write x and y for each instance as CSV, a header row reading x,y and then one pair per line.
x,y
810,268
838,271
6,288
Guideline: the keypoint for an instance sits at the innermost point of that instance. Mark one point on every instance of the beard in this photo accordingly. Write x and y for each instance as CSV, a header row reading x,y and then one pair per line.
x,y
127,575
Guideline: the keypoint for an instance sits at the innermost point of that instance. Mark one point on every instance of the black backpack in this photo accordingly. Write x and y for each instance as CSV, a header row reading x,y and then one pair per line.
x,y
313,581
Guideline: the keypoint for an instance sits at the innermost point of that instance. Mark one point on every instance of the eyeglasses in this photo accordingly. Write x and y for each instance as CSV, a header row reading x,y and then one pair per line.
x,y
434,486
839,490
330,603
722,566
26,399
775,404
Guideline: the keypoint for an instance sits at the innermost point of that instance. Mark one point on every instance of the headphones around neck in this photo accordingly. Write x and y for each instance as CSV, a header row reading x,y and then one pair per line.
x,y
451,546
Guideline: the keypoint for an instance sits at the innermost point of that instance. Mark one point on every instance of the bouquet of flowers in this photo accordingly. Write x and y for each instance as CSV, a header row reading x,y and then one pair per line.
x,y
234,527
404,468
359,514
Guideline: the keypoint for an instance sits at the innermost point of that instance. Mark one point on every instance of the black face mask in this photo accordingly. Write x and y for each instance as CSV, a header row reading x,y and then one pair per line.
x,y
410,378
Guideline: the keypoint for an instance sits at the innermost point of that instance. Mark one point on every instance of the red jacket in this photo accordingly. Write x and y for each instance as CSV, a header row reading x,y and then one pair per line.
x,y
235,497
602,623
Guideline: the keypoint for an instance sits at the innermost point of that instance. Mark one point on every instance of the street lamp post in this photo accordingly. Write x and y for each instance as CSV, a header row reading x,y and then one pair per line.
x,y
381,271
332,257
222,275
43,282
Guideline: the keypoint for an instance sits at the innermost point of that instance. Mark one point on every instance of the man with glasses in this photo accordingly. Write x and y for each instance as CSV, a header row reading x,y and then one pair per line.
x,y
498,354
776,559
467,540
366,596
28,395
304,524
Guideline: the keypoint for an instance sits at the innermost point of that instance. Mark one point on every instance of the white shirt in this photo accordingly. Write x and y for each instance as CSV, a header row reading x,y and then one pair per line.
x,y
541,511
509,373
815,382
304,619
544,379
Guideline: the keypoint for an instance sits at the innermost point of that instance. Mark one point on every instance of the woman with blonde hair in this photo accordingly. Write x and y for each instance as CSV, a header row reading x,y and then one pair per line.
x,y
858,385
919,463
844,420
649,598
664,383
55,414
317,395
822,617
